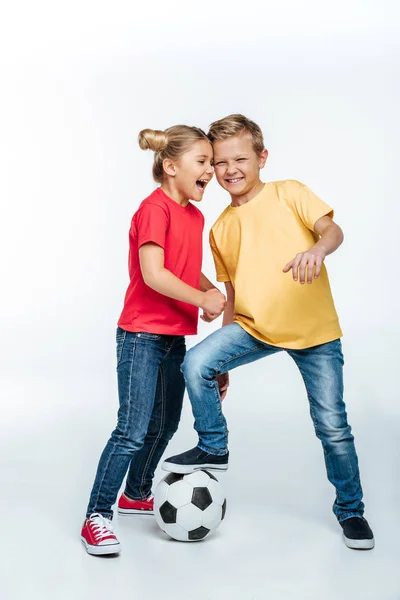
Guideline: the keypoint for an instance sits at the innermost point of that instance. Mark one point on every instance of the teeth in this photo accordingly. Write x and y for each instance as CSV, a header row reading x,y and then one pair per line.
x,y
234,180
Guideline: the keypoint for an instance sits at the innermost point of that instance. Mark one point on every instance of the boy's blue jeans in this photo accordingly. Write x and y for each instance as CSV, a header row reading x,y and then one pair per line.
x,y
151,388
322,370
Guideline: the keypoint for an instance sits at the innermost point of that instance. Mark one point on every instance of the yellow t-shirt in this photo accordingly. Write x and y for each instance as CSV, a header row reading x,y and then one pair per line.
x,y
252,243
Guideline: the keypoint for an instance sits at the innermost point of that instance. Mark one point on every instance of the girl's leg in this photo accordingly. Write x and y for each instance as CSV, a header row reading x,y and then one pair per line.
x,y
138,358
163,423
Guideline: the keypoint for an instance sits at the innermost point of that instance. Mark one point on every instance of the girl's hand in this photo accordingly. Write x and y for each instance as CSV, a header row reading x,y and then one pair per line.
x,y
213,302
306,260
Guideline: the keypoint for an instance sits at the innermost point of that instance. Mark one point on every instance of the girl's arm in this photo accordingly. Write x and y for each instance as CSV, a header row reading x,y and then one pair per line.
x,y
164,282
229,311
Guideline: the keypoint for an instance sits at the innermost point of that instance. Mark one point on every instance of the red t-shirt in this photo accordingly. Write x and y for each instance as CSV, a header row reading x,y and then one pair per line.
x,y
179,231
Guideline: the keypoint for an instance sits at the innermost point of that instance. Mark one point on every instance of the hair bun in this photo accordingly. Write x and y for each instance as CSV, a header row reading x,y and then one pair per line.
x,y
153,139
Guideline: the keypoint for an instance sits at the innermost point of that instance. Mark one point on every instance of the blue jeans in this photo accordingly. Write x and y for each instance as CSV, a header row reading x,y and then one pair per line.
x,y
322,370
151,388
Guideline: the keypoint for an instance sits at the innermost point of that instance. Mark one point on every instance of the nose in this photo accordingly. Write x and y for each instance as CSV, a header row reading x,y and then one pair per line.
x,y
210,170
230,170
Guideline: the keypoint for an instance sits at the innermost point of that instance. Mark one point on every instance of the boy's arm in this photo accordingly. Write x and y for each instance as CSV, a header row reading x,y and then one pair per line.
x,y
205,284
229,314
160,279
331,237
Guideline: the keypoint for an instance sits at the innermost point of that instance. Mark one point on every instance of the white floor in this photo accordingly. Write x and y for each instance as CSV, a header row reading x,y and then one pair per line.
x,y
279,541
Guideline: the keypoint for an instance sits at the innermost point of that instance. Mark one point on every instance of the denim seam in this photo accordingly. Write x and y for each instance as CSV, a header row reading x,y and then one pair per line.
x,y
218,399
127,423
225,362
121,342
160,431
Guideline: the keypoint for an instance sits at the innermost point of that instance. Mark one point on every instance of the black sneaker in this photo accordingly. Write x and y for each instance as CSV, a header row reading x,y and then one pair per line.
x,y
357,534
195,460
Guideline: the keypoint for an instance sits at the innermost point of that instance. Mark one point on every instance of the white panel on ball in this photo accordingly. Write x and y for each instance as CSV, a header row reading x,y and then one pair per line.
x,y
212,516
216,491
161,495
176,532
180,493
189,517
198,479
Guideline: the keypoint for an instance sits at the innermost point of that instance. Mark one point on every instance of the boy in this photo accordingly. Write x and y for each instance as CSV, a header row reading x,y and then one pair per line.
x,y
268,310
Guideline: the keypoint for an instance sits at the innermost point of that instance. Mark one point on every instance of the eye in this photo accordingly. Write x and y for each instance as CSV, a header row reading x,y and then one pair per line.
x,y
201,162
240,159
218,164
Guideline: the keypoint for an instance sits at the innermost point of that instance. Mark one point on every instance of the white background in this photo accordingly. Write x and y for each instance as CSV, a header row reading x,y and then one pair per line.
x,y
78,81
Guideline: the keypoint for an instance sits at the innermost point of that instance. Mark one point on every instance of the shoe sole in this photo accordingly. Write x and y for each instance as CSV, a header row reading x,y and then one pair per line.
x,y
101,550
359,544
135,511
186,469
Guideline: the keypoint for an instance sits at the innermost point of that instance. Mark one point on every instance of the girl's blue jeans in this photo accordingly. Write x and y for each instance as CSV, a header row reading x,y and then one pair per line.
x,y
151,388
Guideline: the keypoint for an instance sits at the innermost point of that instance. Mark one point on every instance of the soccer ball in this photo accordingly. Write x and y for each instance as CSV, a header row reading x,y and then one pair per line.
x,y
189,507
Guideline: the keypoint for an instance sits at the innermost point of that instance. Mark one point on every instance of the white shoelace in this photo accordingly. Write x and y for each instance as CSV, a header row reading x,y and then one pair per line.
x,y
101,526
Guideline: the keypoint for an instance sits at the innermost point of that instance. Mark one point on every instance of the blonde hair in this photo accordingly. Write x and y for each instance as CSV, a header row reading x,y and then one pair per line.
x,y
171,143
234,125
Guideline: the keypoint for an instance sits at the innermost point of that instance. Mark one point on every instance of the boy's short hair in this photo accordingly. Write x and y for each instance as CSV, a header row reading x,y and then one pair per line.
x,y
234,125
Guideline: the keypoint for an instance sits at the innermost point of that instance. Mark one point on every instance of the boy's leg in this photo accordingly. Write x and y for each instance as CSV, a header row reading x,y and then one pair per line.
x,y
138,359
222,351
163,423
322,370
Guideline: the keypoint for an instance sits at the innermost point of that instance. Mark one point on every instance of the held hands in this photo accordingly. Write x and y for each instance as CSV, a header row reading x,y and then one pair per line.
x,y
310,260
208,317
213,304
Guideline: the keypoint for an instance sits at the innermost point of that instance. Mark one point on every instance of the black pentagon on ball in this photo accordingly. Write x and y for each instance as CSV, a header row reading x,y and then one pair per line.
x,y
168,513
223,510
199,533
201,497
173,478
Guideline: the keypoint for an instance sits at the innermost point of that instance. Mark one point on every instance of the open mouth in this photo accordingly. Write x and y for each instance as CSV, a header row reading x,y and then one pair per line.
x,y
234,180
201,184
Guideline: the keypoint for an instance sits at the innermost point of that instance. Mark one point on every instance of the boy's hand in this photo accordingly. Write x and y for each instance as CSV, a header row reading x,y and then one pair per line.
x,y
208,317
213,302
223,384
309,260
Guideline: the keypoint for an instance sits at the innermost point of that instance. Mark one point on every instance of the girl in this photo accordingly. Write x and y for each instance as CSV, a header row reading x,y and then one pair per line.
x,y
161,306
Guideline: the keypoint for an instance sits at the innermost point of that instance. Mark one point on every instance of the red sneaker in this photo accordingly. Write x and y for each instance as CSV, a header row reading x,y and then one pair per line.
x,y
98,537
126,506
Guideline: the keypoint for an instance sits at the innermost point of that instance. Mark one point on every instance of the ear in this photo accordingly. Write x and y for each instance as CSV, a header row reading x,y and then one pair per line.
x,y
169,167
263,158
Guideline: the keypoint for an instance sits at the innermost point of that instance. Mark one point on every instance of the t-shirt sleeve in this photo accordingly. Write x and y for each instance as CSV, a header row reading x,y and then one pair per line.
x,y
221,272
308,207
151,225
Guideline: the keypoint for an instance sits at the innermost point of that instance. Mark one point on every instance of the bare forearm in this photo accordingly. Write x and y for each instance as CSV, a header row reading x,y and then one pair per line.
x,y
205,284
229,313
164,282
330,240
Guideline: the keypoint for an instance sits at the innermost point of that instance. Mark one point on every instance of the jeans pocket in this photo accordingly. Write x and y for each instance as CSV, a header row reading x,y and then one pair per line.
x,y
120,338
148,336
